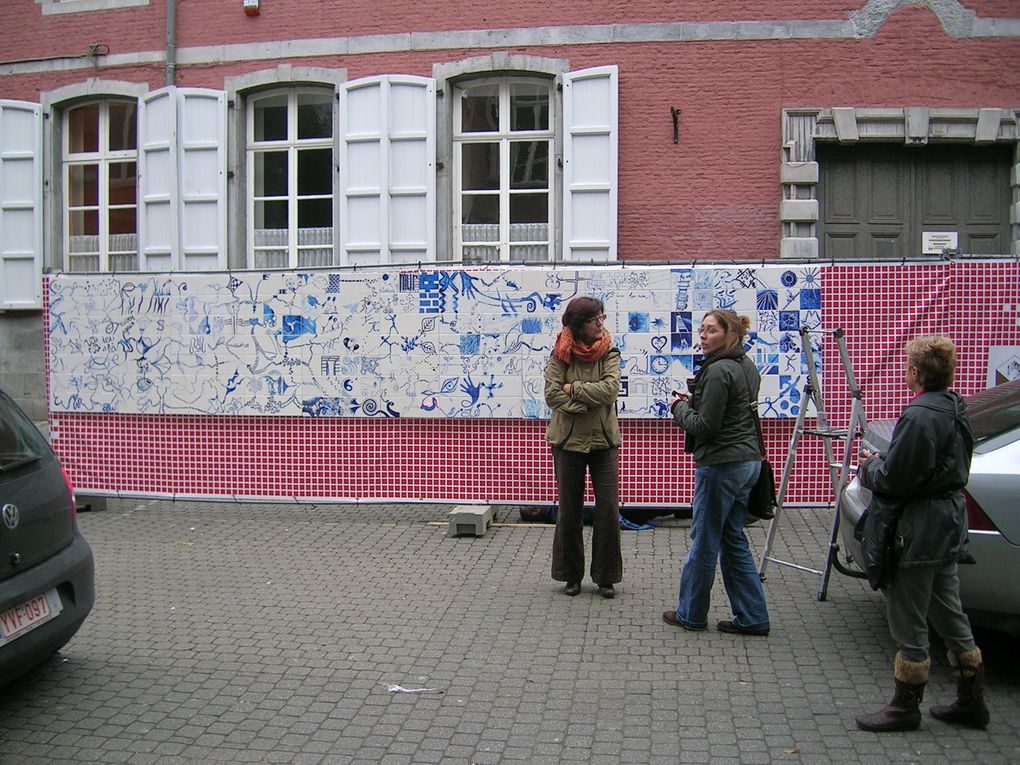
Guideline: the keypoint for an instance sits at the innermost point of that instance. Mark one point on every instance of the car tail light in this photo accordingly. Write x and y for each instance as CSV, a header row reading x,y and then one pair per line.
x,y
977,519
70,490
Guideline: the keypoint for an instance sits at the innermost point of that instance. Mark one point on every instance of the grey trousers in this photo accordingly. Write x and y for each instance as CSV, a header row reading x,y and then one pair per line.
x,y
568,541
923,594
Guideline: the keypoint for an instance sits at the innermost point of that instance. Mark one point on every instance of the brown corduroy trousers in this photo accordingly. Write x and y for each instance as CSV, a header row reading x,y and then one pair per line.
x,y
568,541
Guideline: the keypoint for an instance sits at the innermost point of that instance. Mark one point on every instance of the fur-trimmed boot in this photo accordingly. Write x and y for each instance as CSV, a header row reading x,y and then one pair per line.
x,y
969,708
904,711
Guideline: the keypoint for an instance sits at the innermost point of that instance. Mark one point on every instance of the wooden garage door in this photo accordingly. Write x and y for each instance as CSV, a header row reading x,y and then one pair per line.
x,y
876,201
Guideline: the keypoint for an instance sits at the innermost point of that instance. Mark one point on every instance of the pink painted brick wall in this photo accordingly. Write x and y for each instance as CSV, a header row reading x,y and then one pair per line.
x,y
714,196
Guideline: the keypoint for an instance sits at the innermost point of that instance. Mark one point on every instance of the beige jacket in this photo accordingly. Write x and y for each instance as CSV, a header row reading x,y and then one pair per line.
x,y
586,420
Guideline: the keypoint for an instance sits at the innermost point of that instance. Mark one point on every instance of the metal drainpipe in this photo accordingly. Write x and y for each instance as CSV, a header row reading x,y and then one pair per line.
x,y
171,41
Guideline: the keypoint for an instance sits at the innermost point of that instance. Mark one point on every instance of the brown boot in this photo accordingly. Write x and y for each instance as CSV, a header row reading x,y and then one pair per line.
x,y
904,711
969,708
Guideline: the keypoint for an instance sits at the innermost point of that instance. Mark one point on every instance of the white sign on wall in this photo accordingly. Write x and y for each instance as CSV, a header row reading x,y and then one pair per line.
x,y
937,242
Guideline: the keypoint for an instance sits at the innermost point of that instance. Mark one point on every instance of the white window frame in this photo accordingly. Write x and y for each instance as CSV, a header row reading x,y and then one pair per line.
x,y
103,157
292,144
504,137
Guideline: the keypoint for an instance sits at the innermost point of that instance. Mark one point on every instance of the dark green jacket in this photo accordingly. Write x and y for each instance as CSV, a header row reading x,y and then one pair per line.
x,y
587,420
926,465
719,421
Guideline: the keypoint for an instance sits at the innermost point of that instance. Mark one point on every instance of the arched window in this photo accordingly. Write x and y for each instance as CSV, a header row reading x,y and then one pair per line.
x,y
100,185
289,159
503,135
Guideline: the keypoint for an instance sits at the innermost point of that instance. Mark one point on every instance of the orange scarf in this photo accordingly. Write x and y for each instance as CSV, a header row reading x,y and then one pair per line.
x,y
567,348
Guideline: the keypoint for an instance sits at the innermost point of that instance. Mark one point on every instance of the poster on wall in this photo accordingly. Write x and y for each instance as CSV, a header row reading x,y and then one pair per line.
x,y
468,343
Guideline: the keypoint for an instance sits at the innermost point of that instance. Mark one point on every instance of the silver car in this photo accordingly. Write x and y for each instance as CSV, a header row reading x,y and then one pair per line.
x,y
988,586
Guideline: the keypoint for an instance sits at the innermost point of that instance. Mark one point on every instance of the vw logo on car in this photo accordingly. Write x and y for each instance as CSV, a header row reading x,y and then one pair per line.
x,y
10,515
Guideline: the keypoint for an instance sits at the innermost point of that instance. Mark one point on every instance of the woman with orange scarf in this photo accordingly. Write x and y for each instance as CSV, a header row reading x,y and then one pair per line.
x,y
582,382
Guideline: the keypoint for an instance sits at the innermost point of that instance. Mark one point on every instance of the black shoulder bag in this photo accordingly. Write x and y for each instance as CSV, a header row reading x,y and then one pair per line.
x,y
761,504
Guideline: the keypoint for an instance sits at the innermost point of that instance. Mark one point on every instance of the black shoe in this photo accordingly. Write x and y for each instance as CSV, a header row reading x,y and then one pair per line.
x,y
607,591
572,589
728,626
670,617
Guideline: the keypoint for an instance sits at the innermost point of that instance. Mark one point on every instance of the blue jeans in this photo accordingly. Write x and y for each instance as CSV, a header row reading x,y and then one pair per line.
x,y
717,536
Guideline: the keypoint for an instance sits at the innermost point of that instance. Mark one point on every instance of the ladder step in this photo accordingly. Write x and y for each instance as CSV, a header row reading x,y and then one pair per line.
x,y
827,433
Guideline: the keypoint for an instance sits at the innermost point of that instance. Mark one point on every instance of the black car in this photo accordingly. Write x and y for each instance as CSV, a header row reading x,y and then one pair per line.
x,y
47,574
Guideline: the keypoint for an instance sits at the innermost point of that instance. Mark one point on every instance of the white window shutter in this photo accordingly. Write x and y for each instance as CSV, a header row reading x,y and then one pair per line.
x,y
20,205
202,179
590,148
387,170
157,181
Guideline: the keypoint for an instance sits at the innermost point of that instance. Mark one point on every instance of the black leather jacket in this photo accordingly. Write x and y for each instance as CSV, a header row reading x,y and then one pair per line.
x,y
927,464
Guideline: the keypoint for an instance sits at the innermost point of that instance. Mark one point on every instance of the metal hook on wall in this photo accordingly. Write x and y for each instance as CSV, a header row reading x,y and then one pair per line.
x,y
675,113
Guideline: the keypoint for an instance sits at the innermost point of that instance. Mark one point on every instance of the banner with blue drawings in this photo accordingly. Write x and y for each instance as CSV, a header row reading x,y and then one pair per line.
x,y
468,343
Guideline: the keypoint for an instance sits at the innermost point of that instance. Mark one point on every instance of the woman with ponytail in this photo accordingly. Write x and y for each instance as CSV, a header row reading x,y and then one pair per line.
x,y
719,422
582,382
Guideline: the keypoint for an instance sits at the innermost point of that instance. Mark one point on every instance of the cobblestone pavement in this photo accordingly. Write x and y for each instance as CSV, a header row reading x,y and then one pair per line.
x,y
274,633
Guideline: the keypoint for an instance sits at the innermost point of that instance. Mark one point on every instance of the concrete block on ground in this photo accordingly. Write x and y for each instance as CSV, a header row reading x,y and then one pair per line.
x,y
471,520
87,502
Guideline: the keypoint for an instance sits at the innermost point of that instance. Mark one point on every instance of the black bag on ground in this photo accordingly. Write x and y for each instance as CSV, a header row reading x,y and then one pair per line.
x,y
880,543
761,504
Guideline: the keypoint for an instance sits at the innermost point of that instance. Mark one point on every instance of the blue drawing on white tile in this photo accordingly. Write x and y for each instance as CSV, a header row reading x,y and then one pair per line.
x,y
681,342
810,299
422,343
637,322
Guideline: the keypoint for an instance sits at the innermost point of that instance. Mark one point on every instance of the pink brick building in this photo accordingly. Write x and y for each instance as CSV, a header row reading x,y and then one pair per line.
x,y
184,136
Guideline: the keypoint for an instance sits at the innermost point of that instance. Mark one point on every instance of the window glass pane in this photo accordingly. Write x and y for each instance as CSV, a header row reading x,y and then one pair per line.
x,y
529,253
271,215
315,213
479,109
123,126
480,254
271,174
529,107
83,185
270,259
529,232
123,183
529,165
271,118
315,171
123,221
529,208
480,209
480,166
315,115
83,128
84,223
125,262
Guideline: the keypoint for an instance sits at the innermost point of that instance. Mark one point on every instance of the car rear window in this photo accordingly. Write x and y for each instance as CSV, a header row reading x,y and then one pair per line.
x,y
995,410
20,442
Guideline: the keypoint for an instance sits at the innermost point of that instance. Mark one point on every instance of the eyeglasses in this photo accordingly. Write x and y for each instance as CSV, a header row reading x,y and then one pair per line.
x,y
601,319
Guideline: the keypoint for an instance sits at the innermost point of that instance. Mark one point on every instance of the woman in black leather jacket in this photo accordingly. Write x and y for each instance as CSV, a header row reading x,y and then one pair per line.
x,y
927,464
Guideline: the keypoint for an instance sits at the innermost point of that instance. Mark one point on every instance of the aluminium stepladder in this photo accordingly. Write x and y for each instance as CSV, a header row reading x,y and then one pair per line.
x,y
839,470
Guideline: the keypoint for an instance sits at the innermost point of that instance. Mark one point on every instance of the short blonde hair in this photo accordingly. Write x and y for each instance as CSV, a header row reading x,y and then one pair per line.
x,y
934,358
